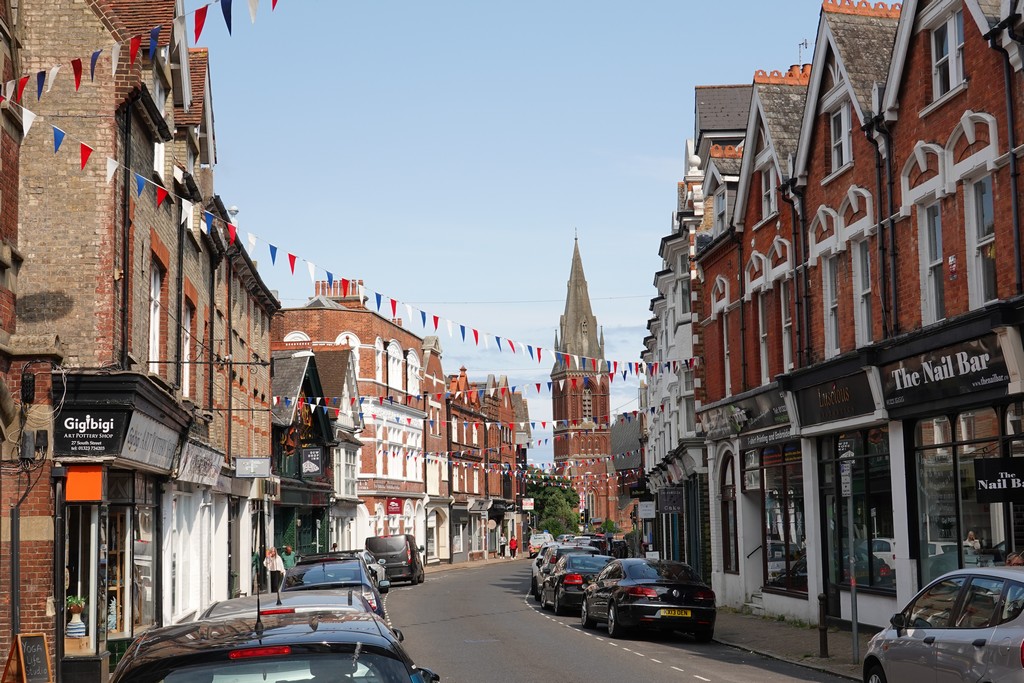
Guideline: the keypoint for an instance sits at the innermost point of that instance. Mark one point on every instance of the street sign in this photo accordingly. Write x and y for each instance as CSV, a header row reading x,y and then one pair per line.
x,y
846,478
527,504
254,468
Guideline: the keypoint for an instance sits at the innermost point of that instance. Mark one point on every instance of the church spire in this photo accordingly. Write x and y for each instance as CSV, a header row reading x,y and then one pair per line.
x,y
578,326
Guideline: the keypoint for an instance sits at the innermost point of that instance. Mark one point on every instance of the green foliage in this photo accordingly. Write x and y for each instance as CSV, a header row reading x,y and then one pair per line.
x,y
75,601
554,502
609,527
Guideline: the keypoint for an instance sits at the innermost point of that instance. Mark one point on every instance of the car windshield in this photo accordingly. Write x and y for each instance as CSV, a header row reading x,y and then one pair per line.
x,y
671,571
367,667
324,572
385,544
586,563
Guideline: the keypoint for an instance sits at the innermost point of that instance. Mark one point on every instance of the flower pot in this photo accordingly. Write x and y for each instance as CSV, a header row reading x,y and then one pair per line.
x,y
75,627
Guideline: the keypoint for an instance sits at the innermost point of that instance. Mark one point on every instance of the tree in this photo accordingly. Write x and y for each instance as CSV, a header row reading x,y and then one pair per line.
x,y
554,501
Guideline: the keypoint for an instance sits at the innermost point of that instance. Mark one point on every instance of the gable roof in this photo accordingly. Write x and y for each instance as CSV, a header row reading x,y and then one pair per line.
x,y
625,443
139,18
333,365
986,14
861,38
719,110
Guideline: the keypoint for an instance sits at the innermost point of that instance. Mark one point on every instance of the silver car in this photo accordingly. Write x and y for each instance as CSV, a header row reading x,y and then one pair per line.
x,y
964,626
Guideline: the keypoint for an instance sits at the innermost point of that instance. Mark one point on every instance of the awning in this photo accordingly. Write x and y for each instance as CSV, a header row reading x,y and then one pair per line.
x,y
480,506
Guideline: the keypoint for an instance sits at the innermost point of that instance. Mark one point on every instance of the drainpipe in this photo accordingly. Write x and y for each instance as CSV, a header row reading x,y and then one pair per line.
x,y
803,282
1011,138
890,200
126,226
743,318
179,366
795,301
868,129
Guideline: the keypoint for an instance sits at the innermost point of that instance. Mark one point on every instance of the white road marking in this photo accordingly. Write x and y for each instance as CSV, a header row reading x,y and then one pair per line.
x,y
702,678
656,661
639,654
677,669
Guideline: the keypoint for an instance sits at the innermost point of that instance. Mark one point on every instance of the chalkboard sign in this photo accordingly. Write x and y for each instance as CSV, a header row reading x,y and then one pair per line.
x,y
29,660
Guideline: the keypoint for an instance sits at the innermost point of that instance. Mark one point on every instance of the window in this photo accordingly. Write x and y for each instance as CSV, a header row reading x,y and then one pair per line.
x,y
683,300
831,275
979,605
983,235
730,537
934,607
727,379
840,139
934,298
588,405
948,55
785,531
862,286
787,325
768,200
186,348
156,283
720,208
160,99
689,410
762,334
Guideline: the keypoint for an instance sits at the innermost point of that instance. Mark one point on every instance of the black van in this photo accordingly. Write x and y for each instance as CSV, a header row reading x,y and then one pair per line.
x,y
402,556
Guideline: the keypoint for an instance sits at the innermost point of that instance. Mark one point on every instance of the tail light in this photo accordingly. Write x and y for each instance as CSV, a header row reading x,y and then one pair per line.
x,y
552,559
408,554
260,652
573,580
884,571
704,595
371,598
642,592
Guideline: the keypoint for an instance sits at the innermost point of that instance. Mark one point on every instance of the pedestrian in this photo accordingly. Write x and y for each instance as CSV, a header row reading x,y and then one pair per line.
x,y
513,546
972,542
288,558
1014,560
276,567
502,542
334,547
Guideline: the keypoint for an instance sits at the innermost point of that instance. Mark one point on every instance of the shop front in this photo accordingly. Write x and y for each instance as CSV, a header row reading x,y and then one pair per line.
x,y
118,440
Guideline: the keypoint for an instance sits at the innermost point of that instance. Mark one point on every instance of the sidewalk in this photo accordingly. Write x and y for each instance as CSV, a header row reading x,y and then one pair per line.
x,y
763,635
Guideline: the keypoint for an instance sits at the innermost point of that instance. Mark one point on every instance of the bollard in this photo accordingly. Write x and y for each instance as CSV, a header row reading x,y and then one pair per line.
x,y
822,628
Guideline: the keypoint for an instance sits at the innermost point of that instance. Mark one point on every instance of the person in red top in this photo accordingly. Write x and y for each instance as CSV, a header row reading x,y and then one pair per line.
x,y
513,546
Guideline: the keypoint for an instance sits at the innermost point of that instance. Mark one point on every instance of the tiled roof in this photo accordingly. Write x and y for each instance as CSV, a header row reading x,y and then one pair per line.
x,y
783,107
990,8
198,63
625,435
721,107
726,165
139,18
865,43
287,382
332,366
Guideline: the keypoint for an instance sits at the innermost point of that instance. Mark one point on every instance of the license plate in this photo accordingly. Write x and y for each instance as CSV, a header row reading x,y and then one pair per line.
x,y
675,612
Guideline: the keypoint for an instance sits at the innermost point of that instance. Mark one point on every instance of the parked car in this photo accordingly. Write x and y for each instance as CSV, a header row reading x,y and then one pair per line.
x,y
654,594
964,626
351,600
563,587
538,539
564,538
545,562
375,567
333,573
280,647
403,559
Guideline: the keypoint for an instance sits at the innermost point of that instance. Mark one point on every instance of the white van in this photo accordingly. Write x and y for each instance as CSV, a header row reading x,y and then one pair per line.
x,y
537,539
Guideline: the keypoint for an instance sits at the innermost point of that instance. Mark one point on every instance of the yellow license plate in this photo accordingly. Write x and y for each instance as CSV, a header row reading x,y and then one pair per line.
x,y
675,613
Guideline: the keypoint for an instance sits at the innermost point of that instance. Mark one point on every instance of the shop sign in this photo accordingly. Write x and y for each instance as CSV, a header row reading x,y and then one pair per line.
x,y
765,438
312,462
645,509
252,468
670,501
89,432
838,399
527,504
999,480
954,370
394,506
499,507
765,410
150,443
199,464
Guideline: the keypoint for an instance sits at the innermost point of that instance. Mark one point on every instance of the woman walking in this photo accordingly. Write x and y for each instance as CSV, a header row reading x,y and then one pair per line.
x,y
275,565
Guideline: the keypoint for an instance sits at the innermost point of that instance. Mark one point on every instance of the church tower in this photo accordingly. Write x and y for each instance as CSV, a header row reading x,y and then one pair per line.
x,y
580,403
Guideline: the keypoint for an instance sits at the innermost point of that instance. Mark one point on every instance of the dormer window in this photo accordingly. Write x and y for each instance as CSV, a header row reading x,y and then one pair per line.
x,y
948,55
719,211
769,203
840,139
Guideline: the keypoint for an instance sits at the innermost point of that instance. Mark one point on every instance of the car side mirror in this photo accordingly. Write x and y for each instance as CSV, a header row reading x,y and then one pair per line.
x,y
382,562
898,621
429,675
422,549
398,634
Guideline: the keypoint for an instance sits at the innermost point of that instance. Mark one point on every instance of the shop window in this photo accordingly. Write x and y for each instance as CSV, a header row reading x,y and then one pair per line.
x,y
784,536
84,578
865,455
730,540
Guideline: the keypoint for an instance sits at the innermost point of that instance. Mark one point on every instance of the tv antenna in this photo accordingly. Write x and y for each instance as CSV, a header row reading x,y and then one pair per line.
x,y
800,47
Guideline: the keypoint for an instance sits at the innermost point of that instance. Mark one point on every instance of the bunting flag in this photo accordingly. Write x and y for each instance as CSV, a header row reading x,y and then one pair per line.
x,y
133,49
58,137
76,67
27,118
92,64
462,328
209,222
53,76
253,6
252,243
233,233
435,323
225,6
140,184
378,301
344,287
22,82
423,318
84,152
115,56
154,40
40,82
330,280
273,255
312,271
394,309
161,195
273,5
291,262
111,169
200,20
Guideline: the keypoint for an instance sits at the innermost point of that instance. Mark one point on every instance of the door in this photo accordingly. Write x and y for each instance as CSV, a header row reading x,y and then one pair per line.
x,y
911,655
606,583
962,652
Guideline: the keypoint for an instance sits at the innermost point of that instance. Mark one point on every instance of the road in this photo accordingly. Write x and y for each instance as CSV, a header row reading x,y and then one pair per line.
x,y
479,624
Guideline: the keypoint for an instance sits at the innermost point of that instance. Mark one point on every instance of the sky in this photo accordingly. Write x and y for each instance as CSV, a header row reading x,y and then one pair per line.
x,y
448,153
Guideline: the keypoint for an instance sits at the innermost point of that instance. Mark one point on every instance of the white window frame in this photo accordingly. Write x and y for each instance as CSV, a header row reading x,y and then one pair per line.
x,y
769,196
948,67
156,281
862,292
840,137
933,295
188,318
762,334
160,99
981,240
721,206
726,364
830,290
786,321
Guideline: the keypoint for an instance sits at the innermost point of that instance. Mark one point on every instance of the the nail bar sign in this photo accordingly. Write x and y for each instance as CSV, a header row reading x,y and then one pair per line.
x,y
950,371
999,480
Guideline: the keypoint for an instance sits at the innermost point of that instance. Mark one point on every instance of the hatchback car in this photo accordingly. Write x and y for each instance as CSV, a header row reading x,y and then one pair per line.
x,y
652,594
375,568
351,600
965,625
563,587
326,573
545,562
299,648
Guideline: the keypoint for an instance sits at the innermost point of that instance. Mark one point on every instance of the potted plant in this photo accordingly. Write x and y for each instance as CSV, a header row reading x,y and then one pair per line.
x,y
75,604
76,627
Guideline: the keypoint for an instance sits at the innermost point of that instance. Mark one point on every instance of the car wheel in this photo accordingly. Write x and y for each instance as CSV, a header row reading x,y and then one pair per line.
x,y
543,600
585,620
615,629
536,592
423,576
704,636
875,674
557,605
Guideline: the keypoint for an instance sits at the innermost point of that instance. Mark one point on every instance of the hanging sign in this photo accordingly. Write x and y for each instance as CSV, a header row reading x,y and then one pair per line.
x,y
999,480
394,506
312,462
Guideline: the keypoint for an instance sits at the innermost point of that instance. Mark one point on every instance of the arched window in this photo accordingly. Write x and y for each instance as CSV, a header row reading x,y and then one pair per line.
x,y
378,360
730,540
588,405
394,365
